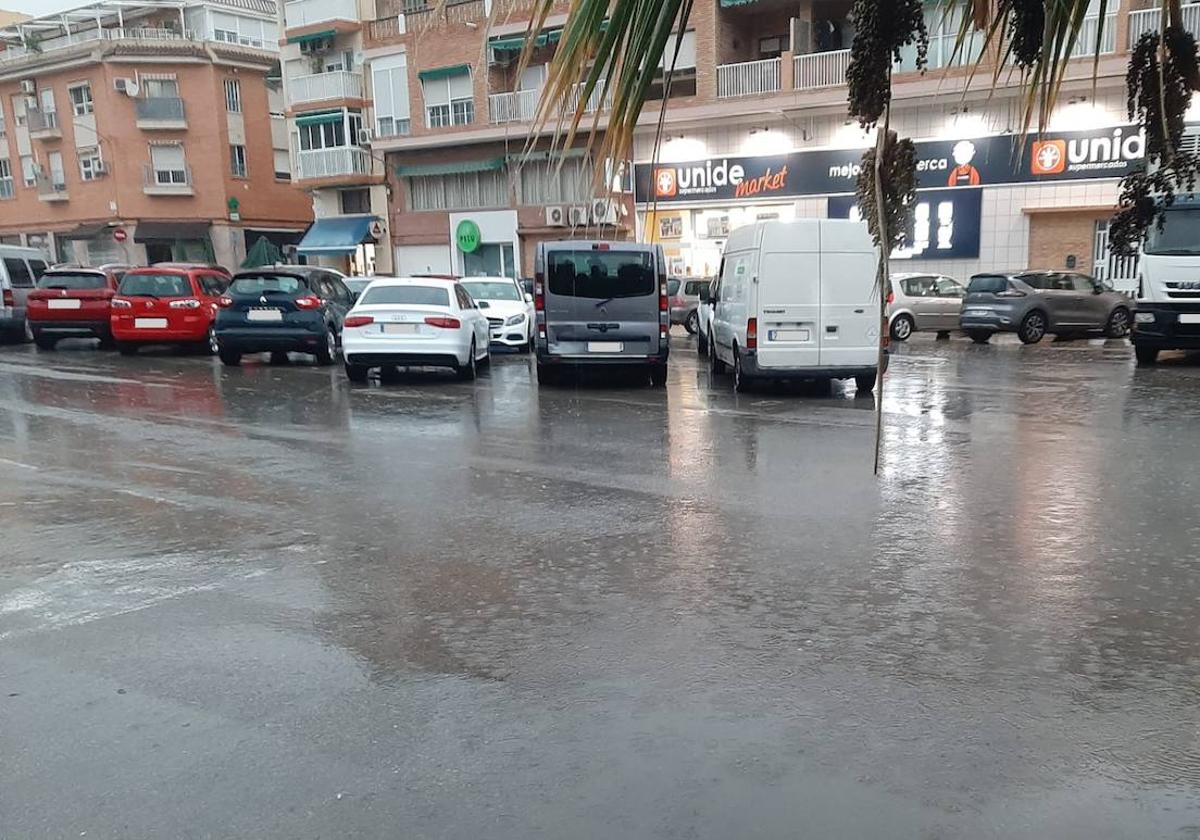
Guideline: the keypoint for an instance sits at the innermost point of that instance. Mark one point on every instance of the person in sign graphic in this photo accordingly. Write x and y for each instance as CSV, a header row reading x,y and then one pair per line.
x,y
964,174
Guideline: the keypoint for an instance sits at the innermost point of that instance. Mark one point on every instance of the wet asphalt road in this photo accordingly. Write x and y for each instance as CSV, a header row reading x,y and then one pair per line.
x,y
261,603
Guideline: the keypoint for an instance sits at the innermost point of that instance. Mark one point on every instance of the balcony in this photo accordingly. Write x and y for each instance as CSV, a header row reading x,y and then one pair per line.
x,y
155,112
299,13
51,189
1147,20
820,70
333,163
748,78
515,107
43,125
319,87
173,181
1085,45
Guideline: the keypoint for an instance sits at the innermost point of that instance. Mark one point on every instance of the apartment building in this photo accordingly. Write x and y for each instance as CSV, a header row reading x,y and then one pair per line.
x,y
135,132
433,132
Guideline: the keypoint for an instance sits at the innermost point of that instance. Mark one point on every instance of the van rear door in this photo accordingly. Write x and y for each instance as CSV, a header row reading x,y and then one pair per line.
x,y
849,301
602,300
788,305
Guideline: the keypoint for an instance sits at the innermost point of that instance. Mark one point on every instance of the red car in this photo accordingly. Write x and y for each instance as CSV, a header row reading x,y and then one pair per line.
x,y
73,302
167,305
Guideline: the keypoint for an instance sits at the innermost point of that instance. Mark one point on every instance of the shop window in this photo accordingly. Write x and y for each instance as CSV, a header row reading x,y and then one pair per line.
x,y
490,260
469,190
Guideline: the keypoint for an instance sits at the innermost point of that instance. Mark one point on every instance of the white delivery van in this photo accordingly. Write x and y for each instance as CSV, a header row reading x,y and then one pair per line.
x,y
796,300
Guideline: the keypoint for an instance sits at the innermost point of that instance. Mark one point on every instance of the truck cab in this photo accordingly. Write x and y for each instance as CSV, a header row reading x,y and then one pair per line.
x,y
1168,287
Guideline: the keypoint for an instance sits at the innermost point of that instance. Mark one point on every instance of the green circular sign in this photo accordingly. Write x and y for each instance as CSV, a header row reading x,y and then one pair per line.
x,y
468,236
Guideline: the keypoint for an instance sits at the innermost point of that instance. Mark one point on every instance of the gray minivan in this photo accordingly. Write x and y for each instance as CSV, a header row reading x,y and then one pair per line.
x,y
20,269
601,303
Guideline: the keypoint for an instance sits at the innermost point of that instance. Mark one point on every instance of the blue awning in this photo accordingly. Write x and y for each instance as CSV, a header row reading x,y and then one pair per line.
x,y
335,236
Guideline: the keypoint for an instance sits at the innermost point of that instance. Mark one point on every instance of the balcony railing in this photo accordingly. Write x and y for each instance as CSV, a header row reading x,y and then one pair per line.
x,y
1085,44
42,123
331,163
157,180
749,78
517,106
818,70
598,101
304,12
1147,20
160,112
339,84
51,189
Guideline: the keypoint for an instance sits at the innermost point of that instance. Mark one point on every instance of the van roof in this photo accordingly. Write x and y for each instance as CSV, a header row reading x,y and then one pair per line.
x,y
595,245
21,251
801,235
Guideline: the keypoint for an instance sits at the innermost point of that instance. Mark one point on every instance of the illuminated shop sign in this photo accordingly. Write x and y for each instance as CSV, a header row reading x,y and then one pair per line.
x,y
945,223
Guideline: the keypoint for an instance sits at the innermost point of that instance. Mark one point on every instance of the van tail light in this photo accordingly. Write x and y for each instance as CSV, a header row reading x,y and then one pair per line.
x,y
308,302
539,293
443,323
225,302
9,300
663,302
752,334
358,321
121,303
190,303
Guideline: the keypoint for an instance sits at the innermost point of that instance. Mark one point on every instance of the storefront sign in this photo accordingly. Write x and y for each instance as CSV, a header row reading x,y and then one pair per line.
x,y
998,159
946,224
468,236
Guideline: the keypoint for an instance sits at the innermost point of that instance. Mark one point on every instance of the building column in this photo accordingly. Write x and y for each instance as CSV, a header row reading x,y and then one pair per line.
x,y
229,245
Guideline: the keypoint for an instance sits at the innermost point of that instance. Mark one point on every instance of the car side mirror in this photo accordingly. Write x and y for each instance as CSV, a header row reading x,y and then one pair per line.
x,y
528,298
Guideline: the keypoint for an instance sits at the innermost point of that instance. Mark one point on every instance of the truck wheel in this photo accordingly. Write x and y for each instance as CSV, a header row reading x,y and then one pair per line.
x,y
1146,356
658,376
1033,328
979,336
902,327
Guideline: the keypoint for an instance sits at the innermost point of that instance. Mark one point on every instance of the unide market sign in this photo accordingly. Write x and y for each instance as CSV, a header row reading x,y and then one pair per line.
x,y
997,159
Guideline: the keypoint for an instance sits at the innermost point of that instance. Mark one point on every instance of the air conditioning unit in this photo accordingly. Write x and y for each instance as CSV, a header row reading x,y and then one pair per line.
x,y
28,86
605,212
125,85
556,217
365,136
577,216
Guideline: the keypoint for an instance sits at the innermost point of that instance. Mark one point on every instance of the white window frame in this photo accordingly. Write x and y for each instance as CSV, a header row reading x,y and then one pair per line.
x,y
443,109
233,96
86,105
389,84
238,165
161,81
29,170
90,161
170,171
8,187
57,174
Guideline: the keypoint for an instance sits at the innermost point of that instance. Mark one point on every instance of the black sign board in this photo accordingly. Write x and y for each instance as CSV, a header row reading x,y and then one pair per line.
x,y
998,159
945,223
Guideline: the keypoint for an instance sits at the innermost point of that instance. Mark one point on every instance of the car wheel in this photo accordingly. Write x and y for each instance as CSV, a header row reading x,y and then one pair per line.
x,y
232,358
1118,323
108,344
127,349
692,323
902,327
210,347
1146,356
470,370
327,352
356,373
740,383
389,375
714,362
546,375
1033,328
866,383
979,336
487,357
658,376
44,342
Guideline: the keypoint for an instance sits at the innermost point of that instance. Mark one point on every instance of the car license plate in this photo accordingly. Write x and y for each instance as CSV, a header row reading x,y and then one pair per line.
x,y
401,329
975,312
69,303
787,335
264,315
1189,318
150,323
605,347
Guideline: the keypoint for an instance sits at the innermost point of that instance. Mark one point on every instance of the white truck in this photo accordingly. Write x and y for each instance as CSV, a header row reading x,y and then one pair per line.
x,y
1168,286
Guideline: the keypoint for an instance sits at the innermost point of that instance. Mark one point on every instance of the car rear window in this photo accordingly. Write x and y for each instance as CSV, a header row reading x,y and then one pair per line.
x,y
407,295
988,283
492,290
264,283
72,280
155,285
694,287
602,275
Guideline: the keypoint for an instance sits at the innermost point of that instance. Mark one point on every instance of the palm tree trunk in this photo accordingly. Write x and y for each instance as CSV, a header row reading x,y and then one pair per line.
x,y
884,283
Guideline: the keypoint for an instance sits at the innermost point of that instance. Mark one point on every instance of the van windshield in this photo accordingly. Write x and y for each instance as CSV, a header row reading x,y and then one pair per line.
x,y
1180,234
602,275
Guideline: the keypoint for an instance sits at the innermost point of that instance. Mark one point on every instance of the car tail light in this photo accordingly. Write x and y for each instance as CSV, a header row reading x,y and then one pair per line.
x,y
752,334
1010,293
121,303
539,293
9,300
358,321
443,323
891,297
190,303
225,302
601,246
308,302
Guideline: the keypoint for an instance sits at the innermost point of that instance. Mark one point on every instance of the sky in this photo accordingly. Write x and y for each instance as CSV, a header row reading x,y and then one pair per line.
x,y
40,7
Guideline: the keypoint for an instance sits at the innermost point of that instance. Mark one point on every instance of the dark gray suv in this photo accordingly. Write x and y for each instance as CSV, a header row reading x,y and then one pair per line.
x,y
1033,303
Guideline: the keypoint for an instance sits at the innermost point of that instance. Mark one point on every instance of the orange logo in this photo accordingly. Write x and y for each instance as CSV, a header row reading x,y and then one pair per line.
x,y
665,185
1049,157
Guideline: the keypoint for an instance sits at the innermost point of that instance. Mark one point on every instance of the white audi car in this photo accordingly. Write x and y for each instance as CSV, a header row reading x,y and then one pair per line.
x,y
415,322
508,309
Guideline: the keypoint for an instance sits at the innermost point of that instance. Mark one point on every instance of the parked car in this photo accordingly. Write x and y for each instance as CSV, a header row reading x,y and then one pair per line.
x,y
685,301
73,302
601,303
357,285
220,269
1033,303
20,269
166,305
795,303
924,303
280,310
425,322
704,313
508,309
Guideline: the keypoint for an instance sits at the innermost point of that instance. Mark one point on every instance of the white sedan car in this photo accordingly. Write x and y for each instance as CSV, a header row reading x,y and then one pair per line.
x,y
415,322
508,309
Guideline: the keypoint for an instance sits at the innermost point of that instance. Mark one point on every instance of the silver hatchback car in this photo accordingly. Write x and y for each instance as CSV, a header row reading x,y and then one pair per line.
x,y
1033,303
924,302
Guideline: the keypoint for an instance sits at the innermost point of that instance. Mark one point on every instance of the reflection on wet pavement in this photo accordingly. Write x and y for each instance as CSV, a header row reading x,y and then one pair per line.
x,y
261,602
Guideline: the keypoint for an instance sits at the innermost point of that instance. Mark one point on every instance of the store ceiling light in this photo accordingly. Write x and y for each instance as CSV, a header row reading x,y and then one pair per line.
x,y
682,149
763,141
1080,114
